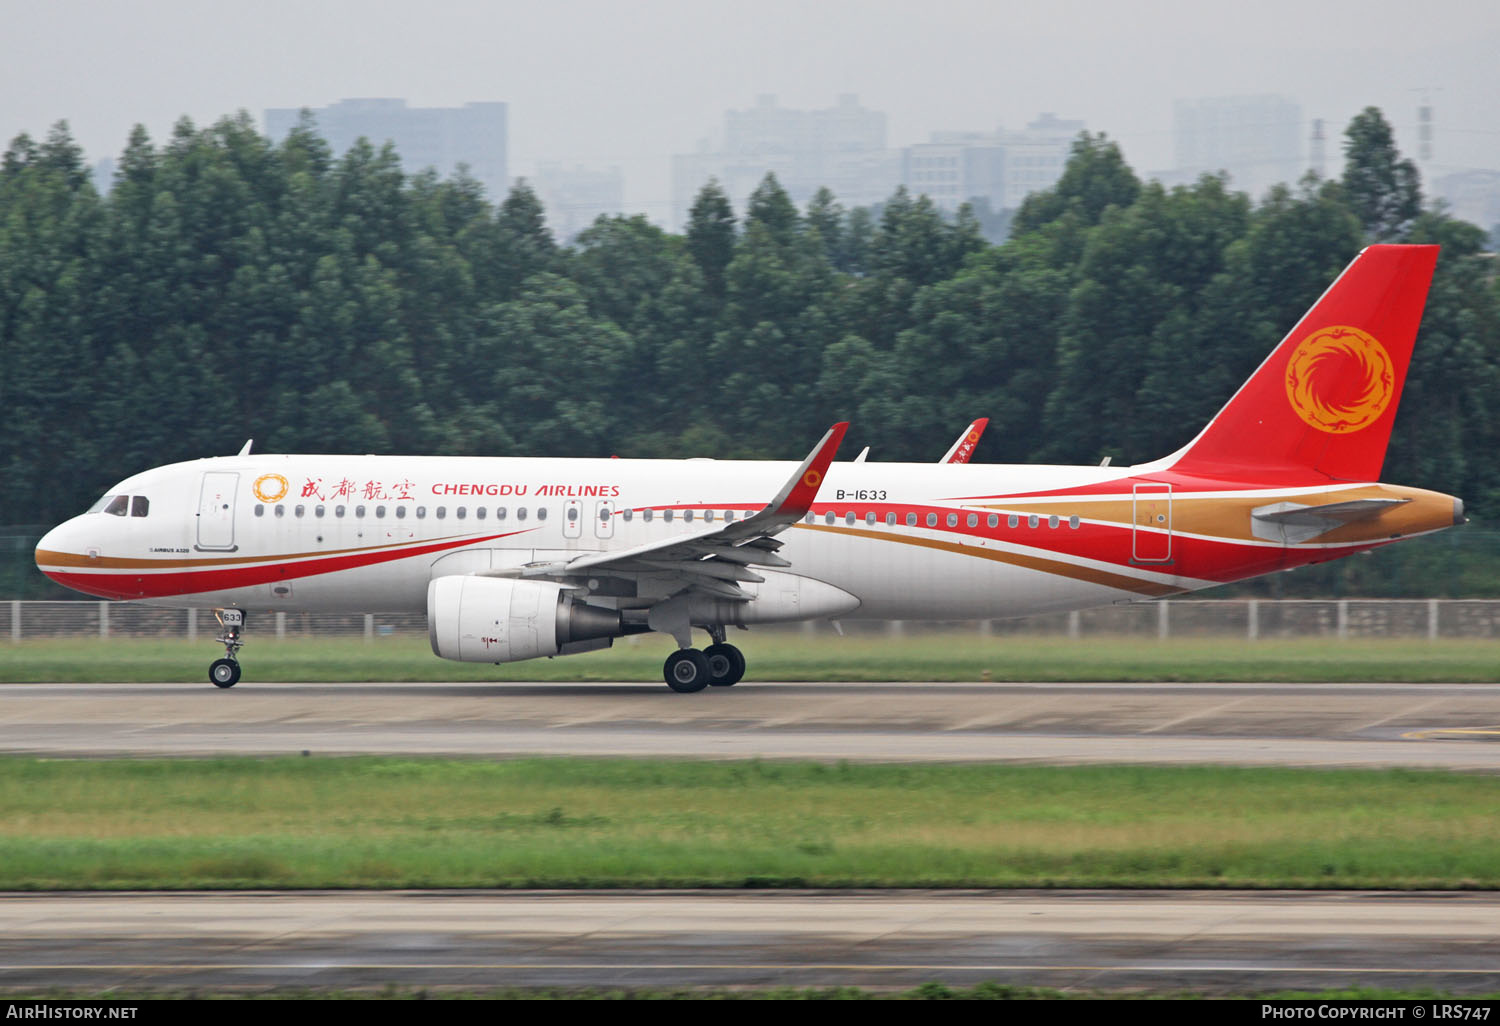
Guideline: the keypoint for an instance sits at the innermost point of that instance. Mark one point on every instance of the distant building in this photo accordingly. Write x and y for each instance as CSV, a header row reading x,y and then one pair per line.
x,y
575,197
103,175
437,137
1001,167
841,147
1037,155
956,167
1257,139
1472,196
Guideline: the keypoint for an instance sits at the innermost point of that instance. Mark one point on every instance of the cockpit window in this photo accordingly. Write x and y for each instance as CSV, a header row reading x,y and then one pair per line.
x,y
118,506
140,506
104,500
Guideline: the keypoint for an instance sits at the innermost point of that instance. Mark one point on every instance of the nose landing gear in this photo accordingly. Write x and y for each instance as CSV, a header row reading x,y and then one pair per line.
x,y
225,673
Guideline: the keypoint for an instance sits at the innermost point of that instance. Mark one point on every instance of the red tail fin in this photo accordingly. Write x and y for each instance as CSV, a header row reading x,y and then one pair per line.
x,y
1325,399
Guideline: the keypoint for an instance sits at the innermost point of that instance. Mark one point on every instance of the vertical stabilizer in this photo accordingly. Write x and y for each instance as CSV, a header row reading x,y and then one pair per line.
x,y
1324,400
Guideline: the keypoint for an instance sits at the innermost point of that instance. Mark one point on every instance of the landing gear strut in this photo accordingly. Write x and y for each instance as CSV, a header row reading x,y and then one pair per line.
x,y
720,664
225,673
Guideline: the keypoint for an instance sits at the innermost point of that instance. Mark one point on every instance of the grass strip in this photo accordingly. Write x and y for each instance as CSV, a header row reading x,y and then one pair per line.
x,y
784,656
598,823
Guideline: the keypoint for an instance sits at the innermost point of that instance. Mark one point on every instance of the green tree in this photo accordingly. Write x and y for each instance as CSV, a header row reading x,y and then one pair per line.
x,y
1382,189
1094,179
711,236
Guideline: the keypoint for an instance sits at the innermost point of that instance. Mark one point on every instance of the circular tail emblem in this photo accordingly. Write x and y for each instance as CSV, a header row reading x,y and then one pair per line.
x,y
812,479
1340,380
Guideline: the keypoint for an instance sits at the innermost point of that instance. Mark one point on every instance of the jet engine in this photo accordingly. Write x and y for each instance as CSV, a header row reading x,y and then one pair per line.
x,y
501,620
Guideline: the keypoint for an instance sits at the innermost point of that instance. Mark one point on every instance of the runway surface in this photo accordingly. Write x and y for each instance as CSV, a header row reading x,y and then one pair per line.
x,y
1422,725
1208,942
1214,942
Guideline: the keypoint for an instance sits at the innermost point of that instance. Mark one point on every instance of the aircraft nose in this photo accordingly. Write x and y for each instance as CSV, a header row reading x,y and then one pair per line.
x,y
62,540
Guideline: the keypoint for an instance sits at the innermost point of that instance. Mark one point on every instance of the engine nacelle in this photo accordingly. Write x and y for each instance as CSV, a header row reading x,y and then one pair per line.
x,y
502,620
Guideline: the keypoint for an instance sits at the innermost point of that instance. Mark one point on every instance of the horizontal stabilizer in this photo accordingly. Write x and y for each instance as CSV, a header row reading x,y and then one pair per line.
x,y
1292,522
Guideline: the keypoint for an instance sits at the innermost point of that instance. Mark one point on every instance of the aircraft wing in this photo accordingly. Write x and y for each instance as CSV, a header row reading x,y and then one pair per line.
x,y
963,447
714,559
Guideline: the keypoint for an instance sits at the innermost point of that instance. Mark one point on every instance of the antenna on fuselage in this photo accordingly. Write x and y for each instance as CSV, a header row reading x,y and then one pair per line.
x,y
245,449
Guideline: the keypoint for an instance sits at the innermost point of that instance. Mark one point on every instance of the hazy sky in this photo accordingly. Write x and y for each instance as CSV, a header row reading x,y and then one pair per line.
x,y
604,82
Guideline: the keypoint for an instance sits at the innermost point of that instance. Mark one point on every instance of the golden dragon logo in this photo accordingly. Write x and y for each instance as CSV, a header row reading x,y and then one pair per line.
x,y
1340,380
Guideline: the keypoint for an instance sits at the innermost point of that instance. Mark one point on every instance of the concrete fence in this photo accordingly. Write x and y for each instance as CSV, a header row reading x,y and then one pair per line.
x,y
1250,619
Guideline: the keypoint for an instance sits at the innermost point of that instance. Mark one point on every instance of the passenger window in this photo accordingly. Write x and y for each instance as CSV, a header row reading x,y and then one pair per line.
x,y
687,515
849,517
541,512
828,517
520,512
499,512
479,512
318,511
869,518
572,514
1031,520
400,512
338,511
140,506
647,514
1052,522
604,515
260,510
911,520
118,506
729,516
379,512
1073,523
890,520
952,519
300,511
666,515
708,515
463,511
932,520
973,519
359,512
1012,521
629,514
280,510
442,512
993,520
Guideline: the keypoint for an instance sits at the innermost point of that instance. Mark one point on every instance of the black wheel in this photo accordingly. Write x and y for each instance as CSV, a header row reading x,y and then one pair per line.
x,y
224,673
726,665
686,670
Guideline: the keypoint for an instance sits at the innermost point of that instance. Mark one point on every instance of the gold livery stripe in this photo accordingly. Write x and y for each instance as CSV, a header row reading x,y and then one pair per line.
x,y
1046,566
1228,519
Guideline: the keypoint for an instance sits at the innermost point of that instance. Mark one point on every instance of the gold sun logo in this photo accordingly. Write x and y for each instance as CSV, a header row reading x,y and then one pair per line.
x,y
1340,380
270,487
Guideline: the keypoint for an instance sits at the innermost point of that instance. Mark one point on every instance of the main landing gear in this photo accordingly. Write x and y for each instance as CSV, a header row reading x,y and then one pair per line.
x,y
225,673
720,664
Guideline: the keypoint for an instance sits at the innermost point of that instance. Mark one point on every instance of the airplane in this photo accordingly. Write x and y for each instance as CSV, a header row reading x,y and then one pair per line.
x,y
960,451
518,558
